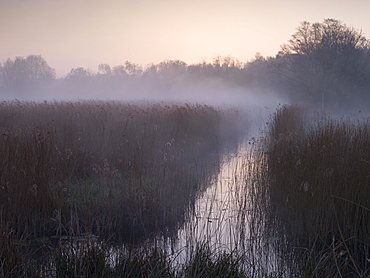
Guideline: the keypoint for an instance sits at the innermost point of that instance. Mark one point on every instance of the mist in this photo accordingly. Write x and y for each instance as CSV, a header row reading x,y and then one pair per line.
x,y
129,155
328,77
220,84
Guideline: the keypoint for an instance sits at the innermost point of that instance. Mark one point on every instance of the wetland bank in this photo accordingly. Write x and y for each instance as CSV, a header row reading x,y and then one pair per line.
x,y
114,189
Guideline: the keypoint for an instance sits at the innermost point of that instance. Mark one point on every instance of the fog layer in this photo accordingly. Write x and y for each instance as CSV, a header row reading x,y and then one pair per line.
x,y
325,66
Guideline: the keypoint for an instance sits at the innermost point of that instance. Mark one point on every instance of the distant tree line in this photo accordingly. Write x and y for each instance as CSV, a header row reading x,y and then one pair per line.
x,y
326,65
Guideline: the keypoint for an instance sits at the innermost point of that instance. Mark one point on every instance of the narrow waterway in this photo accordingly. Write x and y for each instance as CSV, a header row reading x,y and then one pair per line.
x,y
224,217
217,211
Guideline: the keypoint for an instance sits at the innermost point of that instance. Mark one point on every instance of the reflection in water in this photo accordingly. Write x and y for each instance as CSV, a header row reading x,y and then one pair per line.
x,y
217,211
225,218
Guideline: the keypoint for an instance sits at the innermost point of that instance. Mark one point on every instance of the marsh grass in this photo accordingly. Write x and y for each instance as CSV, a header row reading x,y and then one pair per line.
x,y
148,262
105,188
14,262
80,259
98,166
117,171
87,259
318,190
208,262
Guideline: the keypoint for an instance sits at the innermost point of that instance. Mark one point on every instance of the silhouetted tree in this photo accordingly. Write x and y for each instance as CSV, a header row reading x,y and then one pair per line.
x,y
226,70
79,73
171,71
104,69
324,62
226,67
200,71
256,72
119,70
1,78
133,69
25,74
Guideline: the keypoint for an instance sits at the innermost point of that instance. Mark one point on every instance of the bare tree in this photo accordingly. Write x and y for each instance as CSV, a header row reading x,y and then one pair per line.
x,y
325,62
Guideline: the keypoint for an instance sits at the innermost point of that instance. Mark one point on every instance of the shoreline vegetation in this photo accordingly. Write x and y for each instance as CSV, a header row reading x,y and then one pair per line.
x,y
100,189
318,191
115,171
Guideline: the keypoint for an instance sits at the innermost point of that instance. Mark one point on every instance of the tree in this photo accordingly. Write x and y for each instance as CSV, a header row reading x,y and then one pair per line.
x,y
23,74
1,78
79,80
119,71
133,69
171,68
325,62
79,74
256,72
104,69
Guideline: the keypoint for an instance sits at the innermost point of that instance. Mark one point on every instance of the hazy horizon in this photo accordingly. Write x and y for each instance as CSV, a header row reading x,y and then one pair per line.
x,y
70,34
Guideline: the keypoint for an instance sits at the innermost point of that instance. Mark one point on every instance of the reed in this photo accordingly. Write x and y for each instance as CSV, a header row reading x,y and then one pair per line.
x,y
147,262
207,262
87,259
318,189
80,259
78,178
118,171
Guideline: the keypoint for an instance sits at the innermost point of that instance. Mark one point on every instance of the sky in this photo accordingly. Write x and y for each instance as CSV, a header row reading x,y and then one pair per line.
x,y
86,33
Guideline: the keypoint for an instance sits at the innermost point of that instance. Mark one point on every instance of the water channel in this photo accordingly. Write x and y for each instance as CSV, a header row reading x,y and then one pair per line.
x,y
225,218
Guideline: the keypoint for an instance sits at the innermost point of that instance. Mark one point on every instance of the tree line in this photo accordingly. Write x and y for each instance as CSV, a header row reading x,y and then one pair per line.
x,y
324,64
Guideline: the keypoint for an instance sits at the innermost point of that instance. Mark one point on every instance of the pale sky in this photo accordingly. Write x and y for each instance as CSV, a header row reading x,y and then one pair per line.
x,y
86,33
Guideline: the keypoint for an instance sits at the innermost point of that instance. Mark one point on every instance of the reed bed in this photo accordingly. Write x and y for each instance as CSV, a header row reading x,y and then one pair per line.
x,y
92,260
317,193
77,177
115,170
